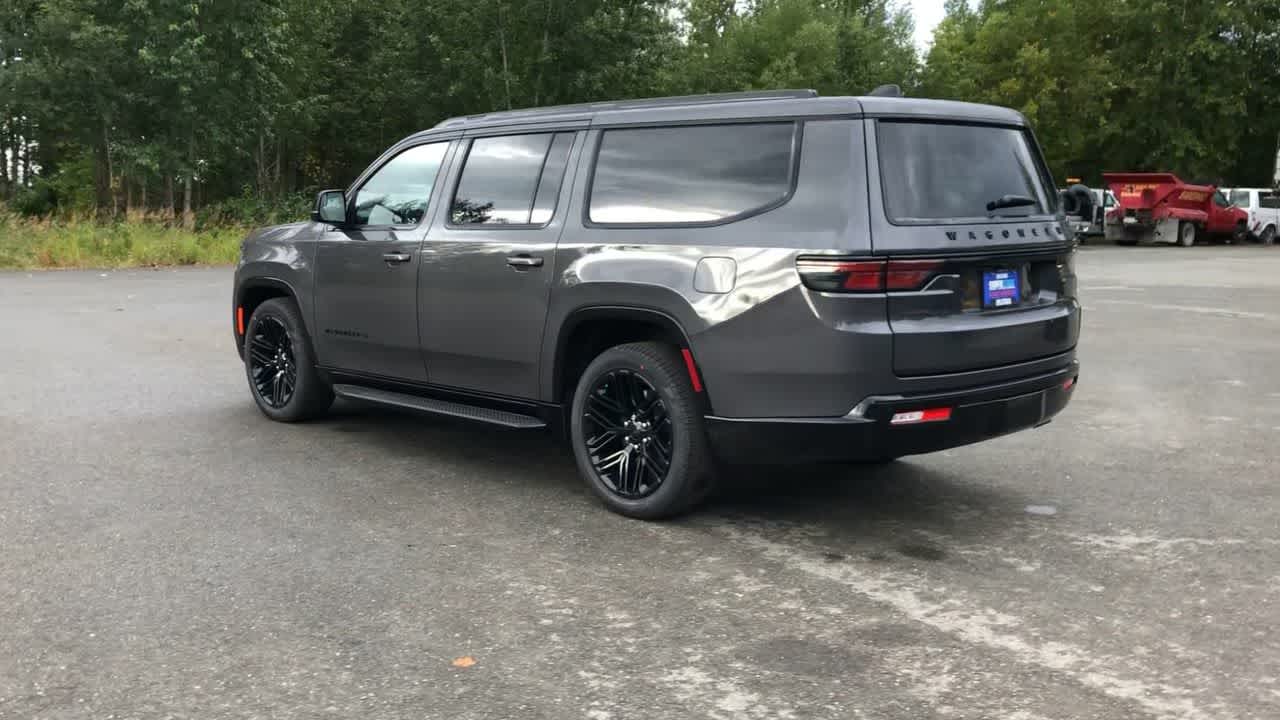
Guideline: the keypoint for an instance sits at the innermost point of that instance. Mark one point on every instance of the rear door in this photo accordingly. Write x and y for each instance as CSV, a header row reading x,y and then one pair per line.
x,y
968,210
488,262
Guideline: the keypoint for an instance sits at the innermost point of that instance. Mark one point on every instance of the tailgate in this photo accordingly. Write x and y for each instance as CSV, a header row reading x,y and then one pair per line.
x,y
986,310
974,205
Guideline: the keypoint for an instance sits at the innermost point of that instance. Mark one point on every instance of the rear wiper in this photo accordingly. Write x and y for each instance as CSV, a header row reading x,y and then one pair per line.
x,y
1009,201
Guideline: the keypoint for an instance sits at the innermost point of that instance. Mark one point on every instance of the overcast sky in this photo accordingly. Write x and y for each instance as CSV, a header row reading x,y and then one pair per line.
x,y
927,14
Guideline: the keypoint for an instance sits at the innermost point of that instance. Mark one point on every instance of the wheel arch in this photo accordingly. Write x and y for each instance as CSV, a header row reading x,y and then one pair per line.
x,y
588,331
252,292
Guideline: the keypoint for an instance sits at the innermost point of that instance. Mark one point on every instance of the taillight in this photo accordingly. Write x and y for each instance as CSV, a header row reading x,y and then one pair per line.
x,y
909,274
866,276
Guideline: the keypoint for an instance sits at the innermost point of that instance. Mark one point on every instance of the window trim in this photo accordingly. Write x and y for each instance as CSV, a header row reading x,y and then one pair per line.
x,y
797,137
389,155
1037,157
462,168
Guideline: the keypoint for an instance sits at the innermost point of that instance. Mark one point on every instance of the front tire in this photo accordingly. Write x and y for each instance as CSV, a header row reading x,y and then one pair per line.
x,y
637,432
280,364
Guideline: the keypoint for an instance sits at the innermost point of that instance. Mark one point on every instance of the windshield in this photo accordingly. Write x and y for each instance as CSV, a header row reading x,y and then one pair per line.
x,y
936,171
1240,197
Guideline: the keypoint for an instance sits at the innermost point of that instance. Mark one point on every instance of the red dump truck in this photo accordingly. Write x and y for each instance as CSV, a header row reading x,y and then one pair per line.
x,y
1159,207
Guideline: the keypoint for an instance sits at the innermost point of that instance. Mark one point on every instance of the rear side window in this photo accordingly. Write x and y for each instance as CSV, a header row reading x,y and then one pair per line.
x,y
937,171
1269,201
691,174
511,180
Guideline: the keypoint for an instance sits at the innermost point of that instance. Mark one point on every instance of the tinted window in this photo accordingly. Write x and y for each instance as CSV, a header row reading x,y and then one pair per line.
x,y
544,204
933,171
398,192
1269,201
1240,197
690,174
511,180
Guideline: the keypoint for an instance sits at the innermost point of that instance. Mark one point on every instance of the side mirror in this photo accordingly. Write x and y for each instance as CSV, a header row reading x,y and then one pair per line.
x,y
331,207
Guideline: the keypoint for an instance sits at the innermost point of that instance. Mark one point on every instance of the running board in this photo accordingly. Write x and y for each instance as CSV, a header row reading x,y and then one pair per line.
x,y
439,407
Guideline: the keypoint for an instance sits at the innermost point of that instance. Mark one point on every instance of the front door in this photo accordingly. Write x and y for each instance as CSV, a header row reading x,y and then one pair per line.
x,y
487,264
367,271
1222,219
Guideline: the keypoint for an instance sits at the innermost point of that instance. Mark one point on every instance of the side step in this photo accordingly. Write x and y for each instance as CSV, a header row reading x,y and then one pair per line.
x,y
439,407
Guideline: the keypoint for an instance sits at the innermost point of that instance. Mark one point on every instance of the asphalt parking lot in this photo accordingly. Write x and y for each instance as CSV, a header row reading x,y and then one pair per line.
x,y
170,553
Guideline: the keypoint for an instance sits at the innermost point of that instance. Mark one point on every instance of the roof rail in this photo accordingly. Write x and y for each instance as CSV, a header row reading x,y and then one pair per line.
x,y
889,90
678,100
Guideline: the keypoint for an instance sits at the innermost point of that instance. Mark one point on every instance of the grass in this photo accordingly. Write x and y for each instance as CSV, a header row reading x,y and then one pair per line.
x,y
27,243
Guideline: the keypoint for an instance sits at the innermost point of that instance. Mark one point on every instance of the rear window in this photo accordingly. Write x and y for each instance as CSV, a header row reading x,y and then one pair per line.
x,y
936,171
691,174
511,180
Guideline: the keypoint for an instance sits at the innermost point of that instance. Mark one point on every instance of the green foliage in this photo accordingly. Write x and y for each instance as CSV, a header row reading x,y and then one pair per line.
x,y
89,243
837,48
251,210
128,108
1136,85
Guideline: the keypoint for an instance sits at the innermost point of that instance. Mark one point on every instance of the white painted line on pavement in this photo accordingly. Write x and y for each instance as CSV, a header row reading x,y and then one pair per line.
x,y
990,628
1224,312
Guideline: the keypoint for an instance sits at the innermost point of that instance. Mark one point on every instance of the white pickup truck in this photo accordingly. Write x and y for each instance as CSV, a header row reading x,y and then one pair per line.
x,y
1263,206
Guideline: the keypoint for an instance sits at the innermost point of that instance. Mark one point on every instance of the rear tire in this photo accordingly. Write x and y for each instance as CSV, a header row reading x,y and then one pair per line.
x,y
1268,236
280,364
637,432
1186,234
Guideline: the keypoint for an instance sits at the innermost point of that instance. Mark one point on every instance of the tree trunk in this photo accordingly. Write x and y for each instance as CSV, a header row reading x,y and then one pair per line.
x,y
188,212
542,56
506,71
143,188
26,143
262,165
188,215
111,171
167,210
128,195
12,147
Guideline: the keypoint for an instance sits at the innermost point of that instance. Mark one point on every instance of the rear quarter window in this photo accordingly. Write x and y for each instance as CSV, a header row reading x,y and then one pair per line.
x,y
934,172
688,175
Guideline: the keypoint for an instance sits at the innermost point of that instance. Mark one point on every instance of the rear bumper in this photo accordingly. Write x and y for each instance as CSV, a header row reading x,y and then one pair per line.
x,y
978,413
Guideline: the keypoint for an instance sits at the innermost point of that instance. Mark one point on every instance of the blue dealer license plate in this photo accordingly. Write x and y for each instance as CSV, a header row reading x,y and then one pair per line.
x,y
1000,288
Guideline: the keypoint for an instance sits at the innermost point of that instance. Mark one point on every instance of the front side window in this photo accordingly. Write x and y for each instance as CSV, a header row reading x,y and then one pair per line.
x,y
691,174
939,171
1240,198
398,192
1219,199
511,180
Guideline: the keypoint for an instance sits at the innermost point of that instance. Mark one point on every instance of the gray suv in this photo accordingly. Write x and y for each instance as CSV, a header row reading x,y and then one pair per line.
x,y
668,283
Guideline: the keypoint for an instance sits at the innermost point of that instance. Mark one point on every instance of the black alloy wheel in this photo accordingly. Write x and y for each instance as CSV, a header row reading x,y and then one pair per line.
x,y
272,366
629,434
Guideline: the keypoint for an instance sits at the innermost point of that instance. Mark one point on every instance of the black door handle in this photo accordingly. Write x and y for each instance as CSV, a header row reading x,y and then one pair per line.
x,y
524,261
396,258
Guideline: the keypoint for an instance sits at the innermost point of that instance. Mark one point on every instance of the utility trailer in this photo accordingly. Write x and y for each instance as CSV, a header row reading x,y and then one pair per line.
x,y
1161,208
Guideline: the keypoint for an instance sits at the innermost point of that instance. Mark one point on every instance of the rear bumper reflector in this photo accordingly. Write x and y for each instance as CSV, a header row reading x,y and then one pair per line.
x,y
913,417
